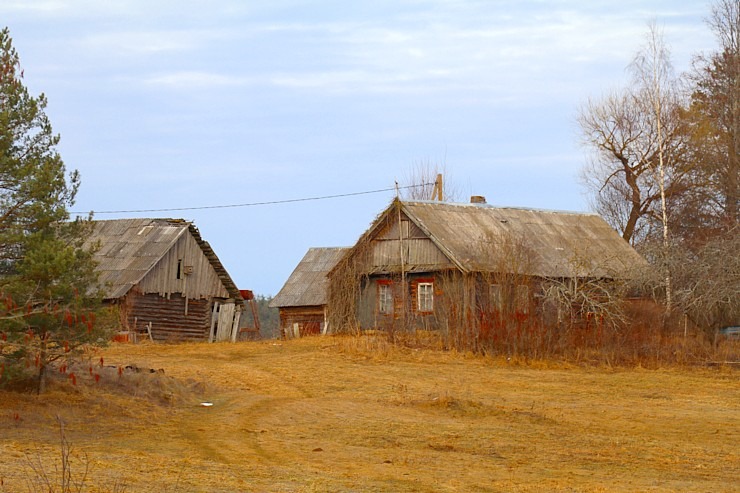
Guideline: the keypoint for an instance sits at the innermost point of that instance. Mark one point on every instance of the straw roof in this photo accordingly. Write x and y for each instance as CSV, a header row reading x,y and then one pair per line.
x,y
128,249
307,285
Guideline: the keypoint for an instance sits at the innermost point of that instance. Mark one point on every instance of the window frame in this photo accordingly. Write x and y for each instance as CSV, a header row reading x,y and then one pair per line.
x,y
385,297
425,296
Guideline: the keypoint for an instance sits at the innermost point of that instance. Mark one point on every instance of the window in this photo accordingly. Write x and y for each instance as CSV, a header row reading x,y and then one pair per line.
x,y
179,268
385,298
425,296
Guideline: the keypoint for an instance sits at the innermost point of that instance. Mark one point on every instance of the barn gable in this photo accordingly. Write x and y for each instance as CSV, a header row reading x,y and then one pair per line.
x,y
420,252
186,270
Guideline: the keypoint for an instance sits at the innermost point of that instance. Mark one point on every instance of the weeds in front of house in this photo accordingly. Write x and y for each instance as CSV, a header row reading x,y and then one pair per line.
x,y
636,346
595,318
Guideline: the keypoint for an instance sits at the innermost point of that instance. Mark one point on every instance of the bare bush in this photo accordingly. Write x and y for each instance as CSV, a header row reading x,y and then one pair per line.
x,y
63,478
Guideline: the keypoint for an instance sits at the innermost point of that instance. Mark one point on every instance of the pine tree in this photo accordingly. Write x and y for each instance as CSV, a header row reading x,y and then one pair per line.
x,y
46,277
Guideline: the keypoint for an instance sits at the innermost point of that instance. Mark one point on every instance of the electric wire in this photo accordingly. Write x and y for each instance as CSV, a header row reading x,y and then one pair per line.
x,y
253,204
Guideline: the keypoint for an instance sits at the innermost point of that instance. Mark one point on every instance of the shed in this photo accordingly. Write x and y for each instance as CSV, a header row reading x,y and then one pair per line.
x,y
302,300
166,279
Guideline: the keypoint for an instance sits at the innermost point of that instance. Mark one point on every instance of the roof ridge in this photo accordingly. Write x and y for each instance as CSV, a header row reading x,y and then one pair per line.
x,y
498,207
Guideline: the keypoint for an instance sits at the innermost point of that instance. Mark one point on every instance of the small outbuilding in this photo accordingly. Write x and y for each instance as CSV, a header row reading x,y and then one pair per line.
x,y
166,280
302,300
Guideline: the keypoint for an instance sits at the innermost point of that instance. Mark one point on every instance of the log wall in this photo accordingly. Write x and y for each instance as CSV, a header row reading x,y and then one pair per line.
x,y
167,316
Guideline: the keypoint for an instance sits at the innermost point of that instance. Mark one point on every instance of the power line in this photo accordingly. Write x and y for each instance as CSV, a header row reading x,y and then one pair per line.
x,y
253,204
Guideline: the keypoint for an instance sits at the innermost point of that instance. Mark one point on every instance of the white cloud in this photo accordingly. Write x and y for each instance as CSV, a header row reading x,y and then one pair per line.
x,y
443,47
145,42
488,57
194,80
32,7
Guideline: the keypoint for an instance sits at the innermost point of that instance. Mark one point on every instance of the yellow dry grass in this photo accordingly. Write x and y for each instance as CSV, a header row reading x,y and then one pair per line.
x,y
344,414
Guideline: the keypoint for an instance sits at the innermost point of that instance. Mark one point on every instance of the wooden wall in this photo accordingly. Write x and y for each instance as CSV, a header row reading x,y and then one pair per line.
x,y
202,283
367,309
308,319
167,316
420,254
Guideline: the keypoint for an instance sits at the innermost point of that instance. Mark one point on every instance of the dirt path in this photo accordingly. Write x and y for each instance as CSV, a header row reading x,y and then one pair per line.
x,y
312,416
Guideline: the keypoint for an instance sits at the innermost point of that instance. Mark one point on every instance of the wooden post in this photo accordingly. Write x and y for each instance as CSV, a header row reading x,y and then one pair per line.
x,y
403,266
185,292
437,191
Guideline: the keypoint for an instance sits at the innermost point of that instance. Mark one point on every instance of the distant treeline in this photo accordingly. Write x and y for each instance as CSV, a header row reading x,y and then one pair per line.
x,y
269,317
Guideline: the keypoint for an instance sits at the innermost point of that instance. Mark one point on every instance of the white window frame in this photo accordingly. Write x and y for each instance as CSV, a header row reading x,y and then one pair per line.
x,y
425,297
385,298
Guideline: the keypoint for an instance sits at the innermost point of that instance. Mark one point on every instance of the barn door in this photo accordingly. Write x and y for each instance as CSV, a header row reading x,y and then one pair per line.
x,y
224,322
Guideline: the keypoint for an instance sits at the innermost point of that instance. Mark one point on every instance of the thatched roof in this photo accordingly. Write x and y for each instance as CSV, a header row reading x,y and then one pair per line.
x,y
307,285
128,249
559,244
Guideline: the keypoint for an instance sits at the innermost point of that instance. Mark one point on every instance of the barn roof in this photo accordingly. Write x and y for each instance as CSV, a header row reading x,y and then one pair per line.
x,y
559,244
307,285
128,249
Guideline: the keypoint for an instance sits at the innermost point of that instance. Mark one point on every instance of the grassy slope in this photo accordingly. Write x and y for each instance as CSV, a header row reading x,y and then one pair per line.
x,y
323,414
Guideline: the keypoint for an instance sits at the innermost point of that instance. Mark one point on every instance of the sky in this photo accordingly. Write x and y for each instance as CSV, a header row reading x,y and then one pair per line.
x,y
189,106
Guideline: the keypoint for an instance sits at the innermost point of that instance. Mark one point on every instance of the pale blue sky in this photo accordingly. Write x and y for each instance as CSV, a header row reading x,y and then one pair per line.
x,y
171,104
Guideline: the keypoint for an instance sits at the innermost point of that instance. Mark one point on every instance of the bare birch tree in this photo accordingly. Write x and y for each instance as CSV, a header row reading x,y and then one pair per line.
x,y
638,141
653,73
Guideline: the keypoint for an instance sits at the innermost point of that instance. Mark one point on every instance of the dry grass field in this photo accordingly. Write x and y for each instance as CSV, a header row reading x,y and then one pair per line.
x,y
343,414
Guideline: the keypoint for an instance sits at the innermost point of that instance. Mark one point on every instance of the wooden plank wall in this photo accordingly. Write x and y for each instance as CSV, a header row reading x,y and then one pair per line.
x,y
225,325
310,320
202,283
167,316
419,252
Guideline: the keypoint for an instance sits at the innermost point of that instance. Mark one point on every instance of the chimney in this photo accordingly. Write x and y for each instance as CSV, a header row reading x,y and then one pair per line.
x,y
477,199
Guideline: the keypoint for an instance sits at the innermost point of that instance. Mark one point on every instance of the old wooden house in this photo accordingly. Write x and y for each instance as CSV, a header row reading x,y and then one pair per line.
x,y
166,280
419,255
302,300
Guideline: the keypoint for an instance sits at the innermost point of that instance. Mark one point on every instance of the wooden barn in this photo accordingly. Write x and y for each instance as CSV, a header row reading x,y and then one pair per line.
x,y
167,281
302,300
417,255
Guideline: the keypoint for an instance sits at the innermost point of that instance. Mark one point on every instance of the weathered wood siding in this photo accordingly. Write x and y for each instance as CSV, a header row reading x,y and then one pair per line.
x,y
202,283
420,254
167,316
369,316
224,329
308,320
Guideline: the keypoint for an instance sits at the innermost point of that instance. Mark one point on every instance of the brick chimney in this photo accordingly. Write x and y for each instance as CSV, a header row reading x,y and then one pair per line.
x,y
477,199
